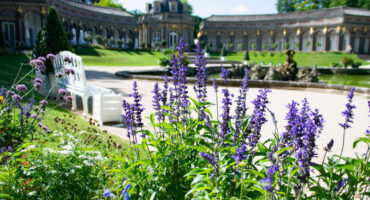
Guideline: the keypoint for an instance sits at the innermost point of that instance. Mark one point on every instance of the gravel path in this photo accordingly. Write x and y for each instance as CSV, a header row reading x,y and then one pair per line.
x,y
329,102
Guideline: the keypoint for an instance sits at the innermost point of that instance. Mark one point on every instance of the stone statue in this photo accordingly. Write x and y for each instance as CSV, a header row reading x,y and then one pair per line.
x,y
308,75
289,70
257,73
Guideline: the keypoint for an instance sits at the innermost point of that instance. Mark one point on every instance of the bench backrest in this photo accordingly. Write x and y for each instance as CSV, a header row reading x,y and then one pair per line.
x,y
77,81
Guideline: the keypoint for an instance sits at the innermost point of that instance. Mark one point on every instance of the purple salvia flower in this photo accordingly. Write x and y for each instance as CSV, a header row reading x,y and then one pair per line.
x,y
137,106
329,145
128,118
202,75
348,113
215,86
21,88
258,117
183,95
224,74
211,159
156,101
241,106
340,184
271,171
240,154
164,95
50,56
225,116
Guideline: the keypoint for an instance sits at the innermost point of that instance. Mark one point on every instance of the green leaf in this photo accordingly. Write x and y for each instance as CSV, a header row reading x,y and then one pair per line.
x,y
258,189
361,139
284,150
197,189
255,172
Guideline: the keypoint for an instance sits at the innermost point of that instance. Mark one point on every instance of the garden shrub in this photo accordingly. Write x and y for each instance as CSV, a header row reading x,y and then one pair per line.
x,y
246,56
335,64
164,61
223,52
346,61
356,64
189,152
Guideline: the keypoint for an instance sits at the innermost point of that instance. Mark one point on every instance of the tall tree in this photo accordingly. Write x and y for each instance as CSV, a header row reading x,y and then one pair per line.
x,y
286,6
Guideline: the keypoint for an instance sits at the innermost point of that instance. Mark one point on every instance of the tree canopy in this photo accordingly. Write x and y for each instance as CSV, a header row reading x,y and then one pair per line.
x,y
283,6
110,4
190,7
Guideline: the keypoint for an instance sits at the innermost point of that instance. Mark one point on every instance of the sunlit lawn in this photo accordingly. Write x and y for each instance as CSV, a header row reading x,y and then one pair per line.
x,y
105,57
303,59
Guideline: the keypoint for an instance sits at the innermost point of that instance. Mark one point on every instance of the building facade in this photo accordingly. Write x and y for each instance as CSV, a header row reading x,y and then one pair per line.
x,y
332,29
21,19
166,20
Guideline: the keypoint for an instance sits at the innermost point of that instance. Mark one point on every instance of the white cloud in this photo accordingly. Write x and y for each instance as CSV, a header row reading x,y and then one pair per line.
x,y
239,9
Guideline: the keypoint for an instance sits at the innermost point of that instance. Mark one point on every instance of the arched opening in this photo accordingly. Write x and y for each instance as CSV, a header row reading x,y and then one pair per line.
x,y
306,42
279,42
252,42
173,39
333,40
320,41
32,23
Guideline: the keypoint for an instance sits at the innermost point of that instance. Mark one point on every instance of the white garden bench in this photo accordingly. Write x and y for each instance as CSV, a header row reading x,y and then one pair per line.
x,y
76,83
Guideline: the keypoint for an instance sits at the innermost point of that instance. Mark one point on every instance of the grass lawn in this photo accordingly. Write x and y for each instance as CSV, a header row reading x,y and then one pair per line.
x,y
106,57
351,80
303,59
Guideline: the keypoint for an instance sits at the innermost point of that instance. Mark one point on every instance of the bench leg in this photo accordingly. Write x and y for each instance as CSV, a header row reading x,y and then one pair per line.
x,y
74,102
85,105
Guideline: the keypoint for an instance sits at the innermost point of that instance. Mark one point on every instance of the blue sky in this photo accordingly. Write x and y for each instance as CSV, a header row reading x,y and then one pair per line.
x,y
205,8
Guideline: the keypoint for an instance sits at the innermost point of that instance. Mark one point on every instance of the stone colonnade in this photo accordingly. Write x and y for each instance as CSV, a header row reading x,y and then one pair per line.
x,y
335,38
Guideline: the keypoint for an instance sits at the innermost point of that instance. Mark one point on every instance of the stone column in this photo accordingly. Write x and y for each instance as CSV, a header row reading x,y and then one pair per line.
x,y
362,43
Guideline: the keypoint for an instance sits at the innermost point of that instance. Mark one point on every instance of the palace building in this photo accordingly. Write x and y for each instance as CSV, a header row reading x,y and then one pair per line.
x,y
332,29
165,21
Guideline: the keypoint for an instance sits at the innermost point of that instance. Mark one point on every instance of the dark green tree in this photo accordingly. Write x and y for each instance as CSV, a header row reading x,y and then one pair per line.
x,y
40,49
53,37
190,7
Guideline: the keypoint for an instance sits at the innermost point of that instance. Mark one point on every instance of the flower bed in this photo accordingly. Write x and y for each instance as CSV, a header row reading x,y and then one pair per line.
x,y
192,153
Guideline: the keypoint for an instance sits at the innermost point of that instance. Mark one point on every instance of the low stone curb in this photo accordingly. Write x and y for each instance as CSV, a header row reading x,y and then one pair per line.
x,y
256,83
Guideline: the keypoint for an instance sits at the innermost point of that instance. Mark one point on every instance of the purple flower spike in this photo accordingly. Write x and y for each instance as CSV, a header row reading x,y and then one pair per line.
x,y
202,75
348,113
258,117
225,116
224,74
156,101
329,145
21,88
215,86
240,154
211,159
137,106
